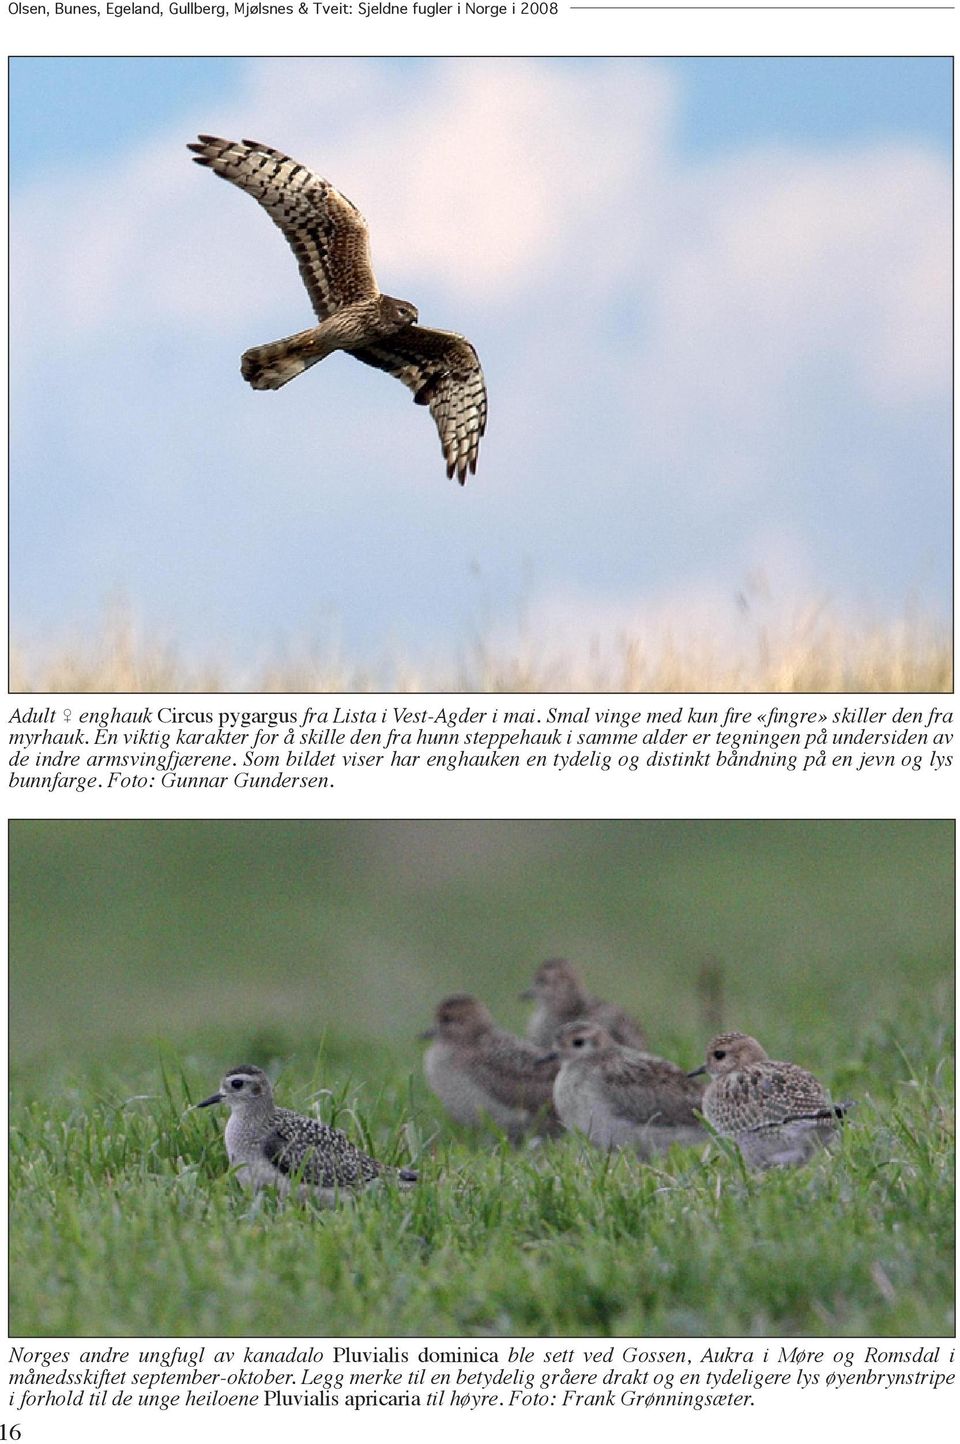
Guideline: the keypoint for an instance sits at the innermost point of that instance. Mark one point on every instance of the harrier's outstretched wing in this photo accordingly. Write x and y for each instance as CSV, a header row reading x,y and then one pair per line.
x,y
326,231
330,241
443,371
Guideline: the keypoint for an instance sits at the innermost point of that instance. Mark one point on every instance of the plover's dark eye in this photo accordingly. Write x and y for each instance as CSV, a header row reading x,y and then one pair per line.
x,y
720,1053
578,1042
236,1082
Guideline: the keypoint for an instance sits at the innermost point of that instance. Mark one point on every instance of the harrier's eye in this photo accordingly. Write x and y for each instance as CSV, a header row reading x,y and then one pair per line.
x,y
720,1053
578,1042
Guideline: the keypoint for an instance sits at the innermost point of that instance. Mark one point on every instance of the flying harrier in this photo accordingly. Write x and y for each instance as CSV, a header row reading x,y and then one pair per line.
x,y
330,241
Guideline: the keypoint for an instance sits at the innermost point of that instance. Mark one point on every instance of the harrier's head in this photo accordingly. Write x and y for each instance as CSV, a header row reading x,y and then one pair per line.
x,y
396,314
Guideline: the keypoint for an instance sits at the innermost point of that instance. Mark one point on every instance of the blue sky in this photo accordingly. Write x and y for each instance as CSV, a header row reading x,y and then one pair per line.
x,y
711,298
725,102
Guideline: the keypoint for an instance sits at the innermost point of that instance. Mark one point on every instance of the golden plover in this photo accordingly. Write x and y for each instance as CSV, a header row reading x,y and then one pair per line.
x,y
560,997
479,1071
621,1098
776,1113
273,1147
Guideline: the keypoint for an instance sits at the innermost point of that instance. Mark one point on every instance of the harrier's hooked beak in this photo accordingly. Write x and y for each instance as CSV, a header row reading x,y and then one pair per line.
x,y
427,1033
214,1098
695,1072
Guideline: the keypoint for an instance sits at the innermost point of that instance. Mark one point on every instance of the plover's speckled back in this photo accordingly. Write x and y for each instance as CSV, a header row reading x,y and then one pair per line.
x,y
479,1071
560,997
621,1098
776,1112
273,1147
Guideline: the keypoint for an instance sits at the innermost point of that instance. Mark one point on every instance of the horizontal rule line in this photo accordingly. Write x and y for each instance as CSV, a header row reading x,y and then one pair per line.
x,y
763,7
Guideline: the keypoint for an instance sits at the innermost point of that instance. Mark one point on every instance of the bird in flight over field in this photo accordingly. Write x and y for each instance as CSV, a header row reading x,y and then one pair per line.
x,y
329,238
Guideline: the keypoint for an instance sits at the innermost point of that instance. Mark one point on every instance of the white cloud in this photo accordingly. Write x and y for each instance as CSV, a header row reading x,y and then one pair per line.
x,y
513,179
476,176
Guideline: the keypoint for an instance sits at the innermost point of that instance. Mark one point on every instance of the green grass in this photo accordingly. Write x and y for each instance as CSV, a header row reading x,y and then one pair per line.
x,y
125,1219
146,957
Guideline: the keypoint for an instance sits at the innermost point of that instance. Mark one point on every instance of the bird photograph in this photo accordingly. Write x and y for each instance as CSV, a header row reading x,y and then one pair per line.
x,y
329,238
244,1052
676,331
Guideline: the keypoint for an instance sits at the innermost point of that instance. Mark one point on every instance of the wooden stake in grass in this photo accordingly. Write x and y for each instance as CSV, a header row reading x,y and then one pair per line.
x,y
710,992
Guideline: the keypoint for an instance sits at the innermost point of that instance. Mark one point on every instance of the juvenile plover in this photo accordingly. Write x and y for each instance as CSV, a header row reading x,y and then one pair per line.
x,y
479,1071
775,1112
273,1147
560,997
621,1098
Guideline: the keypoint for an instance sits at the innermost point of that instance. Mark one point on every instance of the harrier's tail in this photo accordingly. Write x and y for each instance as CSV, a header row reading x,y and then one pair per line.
x,y
269,367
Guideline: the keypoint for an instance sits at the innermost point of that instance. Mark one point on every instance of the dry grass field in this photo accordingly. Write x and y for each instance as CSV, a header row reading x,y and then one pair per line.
x,y
813,652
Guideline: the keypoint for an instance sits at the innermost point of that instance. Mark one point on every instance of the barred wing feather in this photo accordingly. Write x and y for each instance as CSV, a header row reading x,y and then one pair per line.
x,y
326,232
